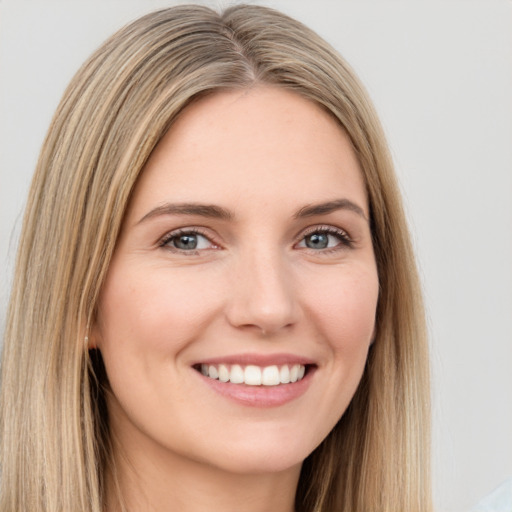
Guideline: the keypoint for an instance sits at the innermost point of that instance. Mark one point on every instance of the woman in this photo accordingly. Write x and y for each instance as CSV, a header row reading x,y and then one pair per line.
x,y
215,301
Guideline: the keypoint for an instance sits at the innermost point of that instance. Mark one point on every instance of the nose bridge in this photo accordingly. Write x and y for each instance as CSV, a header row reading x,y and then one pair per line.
x,y
263,293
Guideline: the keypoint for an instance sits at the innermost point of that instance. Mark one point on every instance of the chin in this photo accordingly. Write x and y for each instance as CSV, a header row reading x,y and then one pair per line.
x,y
262,464
258,457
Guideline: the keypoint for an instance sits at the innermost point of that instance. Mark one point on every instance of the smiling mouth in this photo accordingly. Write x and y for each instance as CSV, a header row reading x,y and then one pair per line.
x,y
252,375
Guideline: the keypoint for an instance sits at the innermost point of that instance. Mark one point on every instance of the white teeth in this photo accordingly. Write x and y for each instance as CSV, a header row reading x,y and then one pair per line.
x,y
213,372
237,374
253,375
294,373
223,373
270,376
284,374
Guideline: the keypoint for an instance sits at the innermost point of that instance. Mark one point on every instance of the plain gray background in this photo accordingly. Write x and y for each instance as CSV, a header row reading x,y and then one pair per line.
x,y
440,73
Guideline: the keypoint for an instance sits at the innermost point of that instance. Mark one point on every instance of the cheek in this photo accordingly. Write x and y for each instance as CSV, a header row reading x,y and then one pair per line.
x,y
145,309
341,310
344,306
147,317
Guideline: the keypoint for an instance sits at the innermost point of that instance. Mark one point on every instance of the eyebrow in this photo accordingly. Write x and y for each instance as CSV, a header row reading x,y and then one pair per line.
x,y
329,207
217,212
202,210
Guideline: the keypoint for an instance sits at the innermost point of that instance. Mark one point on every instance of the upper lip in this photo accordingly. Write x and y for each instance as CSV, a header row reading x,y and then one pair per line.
x,y
257,359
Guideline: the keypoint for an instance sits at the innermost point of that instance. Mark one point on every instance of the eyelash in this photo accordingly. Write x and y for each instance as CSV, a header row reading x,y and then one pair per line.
x,y
340,234
180,232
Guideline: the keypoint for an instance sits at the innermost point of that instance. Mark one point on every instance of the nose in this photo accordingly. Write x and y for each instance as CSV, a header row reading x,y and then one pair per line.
x,y
262,297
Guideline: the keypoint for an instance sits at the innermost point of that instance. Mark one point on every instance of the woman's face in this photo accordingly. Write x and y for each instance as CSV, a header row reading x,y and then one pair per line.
x,y
245,262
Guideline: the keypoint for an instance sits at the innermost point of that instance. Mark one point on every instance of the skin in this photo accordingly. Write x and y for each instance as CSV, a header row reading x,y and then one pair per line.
x,y
252,286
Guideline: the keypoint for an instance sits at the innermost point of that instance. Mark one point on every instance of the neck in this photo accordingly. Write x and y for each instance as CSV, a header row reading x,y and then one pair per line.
x,y
165,482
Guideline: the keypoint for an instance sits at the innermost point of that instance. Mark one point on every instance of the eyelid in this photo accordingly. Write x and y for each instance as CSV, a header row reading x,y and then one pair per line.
x,y
324,228
194,230
345,239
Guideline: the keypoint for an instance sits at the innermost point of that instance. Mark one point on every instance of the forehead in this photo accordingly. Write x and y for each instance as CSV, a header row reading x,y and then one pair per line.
x,y
262,145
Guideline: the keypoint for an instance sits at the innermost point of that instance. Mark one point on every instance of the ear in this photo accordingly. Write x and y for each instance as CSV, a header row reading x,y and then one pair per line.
x,y
89,342
92,336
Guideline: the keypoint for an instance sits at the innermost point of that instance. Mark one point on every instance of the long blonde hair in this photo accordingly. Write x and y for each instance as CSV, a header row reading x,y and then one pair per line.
x,y
54,424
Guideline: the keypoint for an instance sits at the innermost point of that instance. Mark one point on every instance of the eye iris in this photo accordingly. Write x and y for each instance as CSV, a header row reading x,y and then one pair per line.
x,y
185,242
317,241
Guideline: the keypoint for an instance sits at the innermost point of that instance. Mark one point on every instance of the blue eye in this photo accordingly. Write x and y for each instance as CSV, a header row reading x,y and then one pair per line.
x,y
317,240
186,241
325,238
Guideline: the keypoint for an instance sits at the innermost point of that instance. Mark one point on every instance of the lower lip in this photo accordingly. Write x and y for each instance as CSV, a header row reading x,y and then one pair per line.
x,y
260,396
